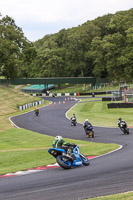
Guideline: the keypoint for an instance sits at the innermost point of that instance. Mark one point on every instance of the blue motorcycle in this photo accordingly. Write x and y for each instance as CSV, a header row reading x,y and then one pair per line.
x,y
66,160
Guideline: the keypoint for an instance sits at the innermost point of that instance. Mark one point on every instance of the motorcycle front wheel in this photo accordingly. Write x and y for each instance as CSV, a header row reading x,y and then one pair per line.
x,y
64,162
85,160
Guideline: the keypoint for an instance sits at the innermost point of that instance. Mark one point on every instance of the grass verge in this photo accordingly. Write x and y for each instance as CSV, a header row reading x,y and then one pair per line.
x,y
99,114
121,196
69,88
10,98
22,149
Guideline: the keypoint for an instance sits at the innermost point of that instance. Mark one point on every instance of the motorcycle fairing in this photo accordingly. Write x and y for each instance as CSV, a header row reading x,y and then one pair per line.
x,y
56,151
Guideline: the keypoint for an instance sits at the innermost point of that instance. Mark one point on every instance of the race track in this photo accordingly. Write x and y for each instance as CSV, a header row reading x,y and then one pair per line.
x,y
108,174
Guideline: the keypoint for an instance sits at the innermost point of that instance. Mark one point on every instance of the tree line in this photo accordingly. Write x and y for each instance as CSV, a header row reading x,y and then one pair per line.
x,y
17,54
102,48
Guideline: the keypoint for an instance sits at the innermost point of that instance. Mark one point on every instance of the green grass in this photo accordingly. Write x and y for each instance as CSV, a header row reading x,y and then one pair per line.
x,y
71,89
10,98
82,88
22,138
121,196
99,115
90,99
21,149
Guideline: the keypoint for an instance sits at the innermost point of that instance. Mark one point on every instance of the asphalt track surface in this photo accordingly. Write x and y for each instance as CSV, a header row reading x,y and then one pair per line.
x,y
109,174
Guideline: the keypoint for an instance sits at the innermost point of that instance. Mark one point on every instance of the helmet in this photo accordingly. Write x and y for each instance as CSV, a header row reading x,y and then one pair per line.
x,y
86,120
58,138
120,119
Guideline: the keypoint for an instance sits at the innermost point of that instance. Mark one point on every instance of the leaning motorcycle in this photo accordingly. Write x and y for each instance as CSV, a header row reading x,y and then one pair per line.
x,y
124,128
89,131
73,122
66,161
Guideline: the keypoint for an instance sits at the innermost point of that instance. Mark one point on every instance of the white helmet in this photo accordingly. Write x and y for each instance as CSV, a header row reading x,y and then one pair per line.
x,y
86,120
58,138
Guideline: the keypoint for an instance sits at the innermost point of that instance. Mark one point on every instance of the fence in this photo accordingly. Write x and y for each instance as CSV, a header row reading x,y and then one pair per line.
x,y
120,105
28,105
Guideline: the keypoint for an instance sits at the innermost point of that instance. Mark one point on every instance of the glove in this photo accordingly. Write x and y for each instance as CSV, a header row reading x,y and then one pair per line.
x,y
74,145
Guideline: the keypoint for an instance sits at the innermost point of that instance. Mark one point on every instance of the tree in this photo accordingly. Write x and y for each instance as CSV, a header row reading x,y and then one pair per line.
x,y
102,48
99,69
113,46
128,54
15,50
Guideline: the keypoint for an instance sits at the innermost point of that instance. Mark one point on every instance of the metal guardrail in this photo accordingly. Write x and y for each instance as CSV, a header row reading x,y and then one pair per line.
x,y
53,94
28,105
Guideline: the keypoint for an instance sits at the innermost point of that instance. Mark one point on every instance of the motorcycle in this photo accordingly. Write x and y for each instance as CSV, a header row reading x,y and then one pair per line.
x,y
124,128
89,131
73,122
66,161
37,112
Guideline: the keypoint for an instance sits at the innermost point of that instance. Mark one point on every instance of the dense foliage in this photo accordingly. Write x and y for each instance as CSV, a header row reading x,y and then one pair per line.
x,y
102,48
16,52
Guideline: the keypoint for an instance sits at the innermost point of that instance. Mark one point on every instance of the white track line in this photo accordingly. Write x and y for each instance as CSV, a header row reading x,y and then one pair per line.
x,y
23,114
120,146
34,171
82,123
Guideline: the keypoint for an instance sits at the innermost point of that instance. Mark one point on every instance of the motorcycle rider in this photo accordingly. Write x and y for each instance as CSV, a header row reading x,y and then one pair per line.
x,y
61,144
73,118
120,122
86,124
36,110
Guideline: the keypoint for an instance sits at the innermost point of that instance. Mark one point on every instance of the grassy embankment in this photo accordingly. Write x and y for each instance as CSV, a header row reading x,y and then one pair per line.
x,y
99,115
21,149
10,98
121,196
82,88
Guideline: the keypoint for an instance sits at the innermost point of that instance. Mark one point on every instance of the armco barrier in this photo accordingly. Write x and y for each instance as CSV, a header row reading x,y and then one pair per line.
x,y
90,93
58,94
111,98
73,94
120,105
28,105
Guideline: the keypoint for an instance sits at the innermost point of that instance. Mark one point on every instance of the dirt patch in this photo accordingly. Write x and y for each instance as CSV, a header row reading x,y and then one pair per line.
x,y
24,149
30,149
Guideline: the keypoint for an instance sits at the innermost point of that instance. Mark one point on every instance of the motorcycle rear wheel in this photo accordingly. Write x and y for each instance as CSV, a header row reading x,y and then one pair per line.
x,y
37,113
64,163
126,130
92,133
